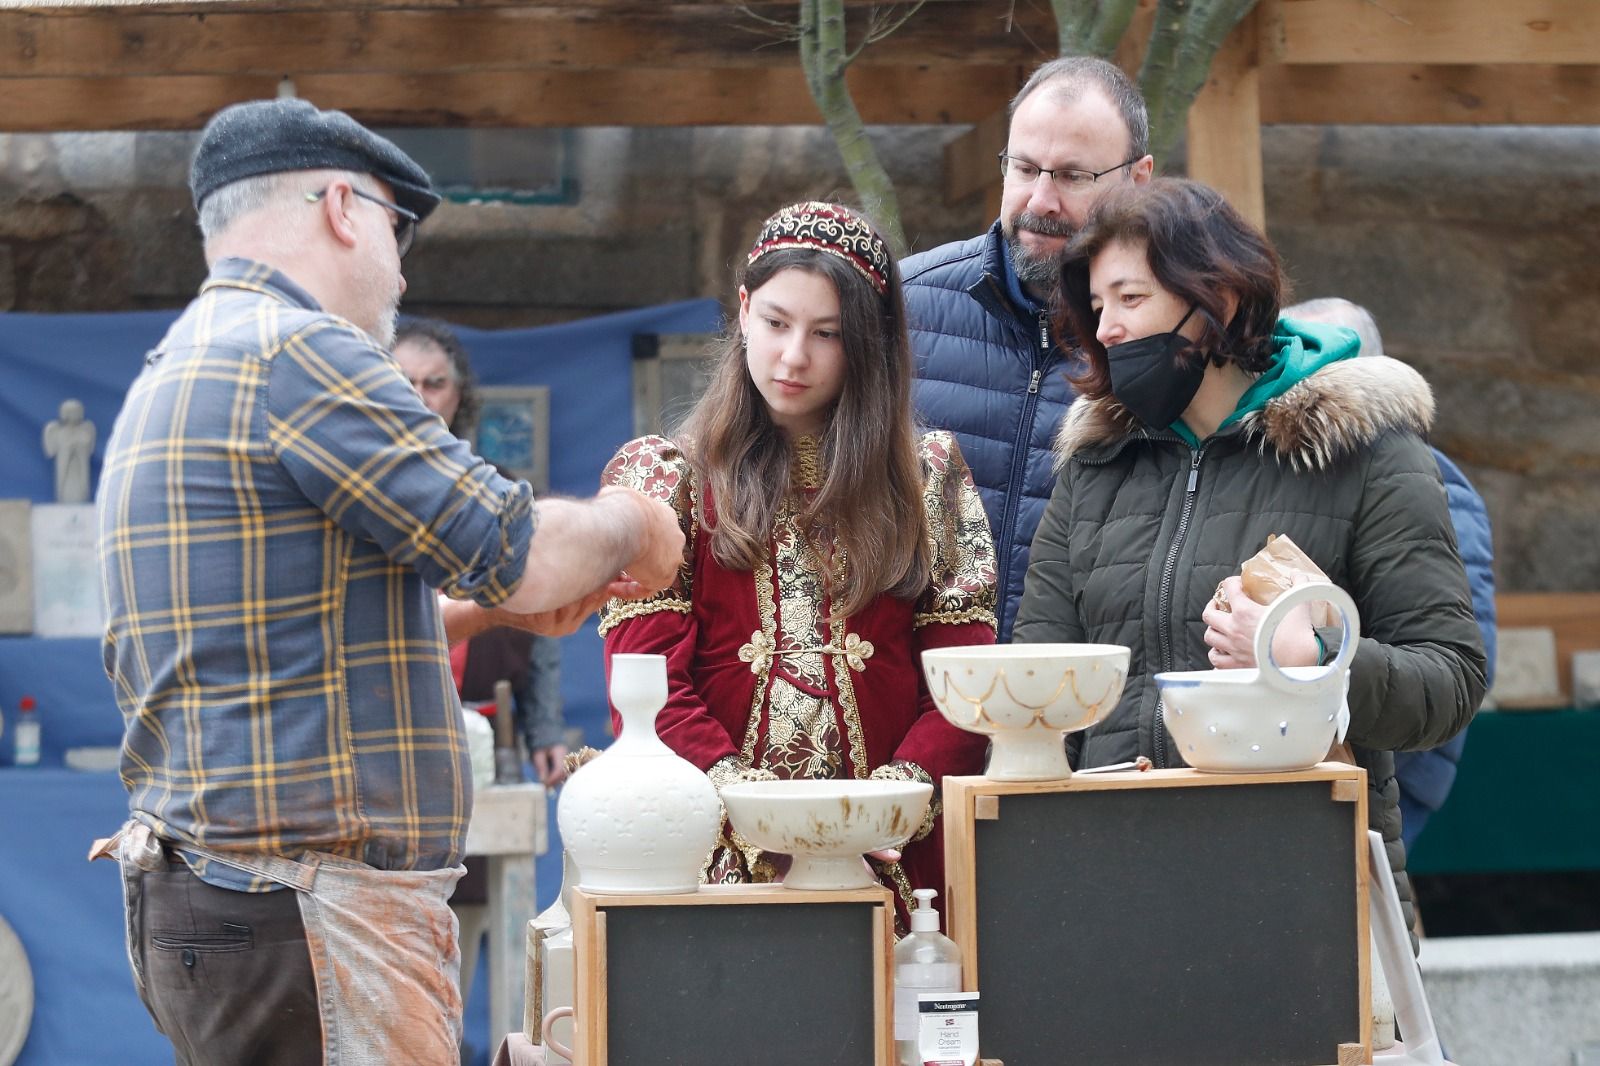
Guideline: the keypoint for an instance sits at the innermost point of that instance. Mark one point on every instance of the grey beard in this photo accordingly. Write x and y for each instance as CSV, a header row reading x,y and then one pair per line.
x,y
1043,272
388,325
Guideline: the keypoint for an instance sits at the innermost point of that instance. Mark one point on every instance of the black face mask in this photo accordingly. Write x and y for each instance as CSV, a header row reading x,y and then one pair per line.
x,y
1148,379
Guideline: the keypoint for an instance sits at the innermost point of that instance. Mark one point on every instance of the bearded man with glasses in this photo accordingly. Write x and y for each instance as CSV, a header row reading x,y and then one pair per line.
x,y
276,510
989,367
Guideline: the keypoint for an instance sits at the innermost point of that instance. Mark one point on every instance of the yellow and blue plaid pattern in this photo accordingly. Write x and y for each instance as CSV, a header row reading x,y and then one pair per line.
x,y
276,507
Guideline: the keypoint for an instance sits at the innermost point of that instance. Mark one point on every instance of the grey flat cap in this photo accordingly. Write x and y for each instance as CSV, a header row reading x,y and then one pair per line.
x,y
273,136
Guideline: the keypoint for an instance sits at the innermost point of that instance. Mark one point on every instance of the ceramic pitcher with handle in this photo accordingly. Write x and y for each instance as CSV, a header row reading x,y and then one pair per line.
x,y
1268,718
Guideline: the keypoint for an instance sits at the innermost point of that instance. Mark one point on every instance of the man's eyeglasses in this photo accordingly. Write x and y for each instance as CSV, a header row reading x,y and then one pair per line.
x,y
1068,181
405,222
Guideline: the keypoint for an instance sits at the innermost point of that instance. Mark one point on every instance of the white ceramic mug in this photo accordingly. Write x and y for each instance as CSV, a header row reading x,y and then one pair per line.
x,y
546,1031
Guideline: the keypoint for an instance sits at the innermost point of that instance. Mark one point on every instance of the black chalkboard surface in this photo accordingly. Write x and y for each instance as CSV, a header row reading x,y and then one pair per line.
x,y
734,974
1168,918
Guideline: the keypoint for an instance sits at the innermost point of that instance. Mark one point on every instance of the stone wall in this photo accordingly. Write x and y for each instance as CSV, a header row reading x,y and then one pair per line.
x,y
1476,249
1473,247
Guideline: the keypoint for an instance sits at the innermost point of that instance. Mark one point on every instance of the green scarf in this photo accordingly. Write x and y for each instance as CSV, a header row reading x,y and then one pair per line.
x,y
1300,349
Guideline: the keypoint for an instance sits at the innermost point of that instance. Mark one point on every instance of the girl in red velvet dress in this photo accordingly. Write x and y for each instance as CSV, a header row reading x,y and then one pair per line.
x,y
827,545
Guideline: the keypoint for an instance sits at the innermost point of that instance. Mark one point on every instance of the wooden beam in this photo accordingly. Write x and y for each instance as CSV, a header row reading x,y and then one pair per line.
x,y
209,7
692,36
1412,95
1430,31
644,97
1225,124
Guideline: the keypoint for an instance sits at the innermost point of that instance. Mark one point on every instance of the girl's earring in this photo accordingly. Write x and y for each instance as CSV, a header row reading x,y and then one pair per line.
x,y
744,342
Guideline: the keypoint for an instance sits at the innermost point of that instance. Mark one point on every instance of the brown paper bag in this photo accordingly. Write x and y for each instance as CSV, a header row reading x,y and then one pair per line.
x,y
1275,569
1279,567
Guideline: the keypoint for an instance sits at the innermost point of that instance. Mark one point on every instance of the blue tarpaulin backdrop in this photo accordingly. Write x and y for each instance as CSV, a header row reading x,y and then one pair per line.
x,y
67,913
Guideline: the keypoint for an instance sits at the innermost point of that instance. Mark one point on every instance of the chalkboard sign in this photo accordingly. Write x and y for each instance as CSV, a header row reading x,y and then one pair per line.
x,y
735,973
1167,918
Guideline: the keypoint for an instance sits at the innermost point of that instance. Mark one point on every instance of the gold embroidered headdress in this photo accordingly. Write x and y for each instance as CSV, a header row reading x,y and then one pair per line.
x,y
830,228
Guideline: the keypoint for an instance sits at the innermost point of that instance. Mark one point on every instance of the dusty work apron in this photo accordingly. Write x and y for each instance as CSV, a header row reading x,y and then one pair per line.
x,y
382,943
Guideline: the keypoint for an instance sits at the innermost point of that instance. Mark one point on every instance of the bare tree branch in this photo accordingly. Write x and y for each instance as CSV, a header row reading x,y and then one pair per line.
x,y
1091,27
824,57
889,23
1186,38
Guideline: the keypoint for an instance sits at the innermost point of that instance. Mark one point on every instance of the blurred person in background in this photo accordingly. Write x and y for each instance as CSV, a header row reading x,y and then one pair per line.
x,y
433,358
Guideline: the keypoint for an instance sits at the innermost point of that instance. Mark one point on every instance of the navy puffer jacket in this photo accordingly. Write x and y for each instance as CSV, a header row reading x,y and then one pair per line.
x,y
990,372
1426,776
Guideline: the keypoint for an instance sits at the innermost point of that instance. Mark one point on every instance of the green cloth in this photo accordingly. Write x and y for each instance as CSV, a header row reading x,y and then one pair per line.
x,y
1301,349
1524,797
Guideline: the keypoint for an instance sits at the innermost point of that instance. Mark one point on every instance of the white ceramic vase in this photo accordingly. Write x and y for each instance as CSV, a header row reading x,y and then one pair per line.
x,y
638,819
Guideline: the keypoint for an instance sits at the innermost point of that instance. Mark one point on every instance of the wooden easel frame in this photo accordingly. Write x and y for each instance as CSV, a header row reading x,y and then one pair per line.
x,y
589,953
968,800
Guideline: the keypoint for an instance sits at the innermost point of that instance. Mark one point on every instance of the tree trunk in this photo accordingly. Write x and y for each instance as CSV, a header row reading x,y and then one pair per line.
x,y
1091,27
824,57
1186,38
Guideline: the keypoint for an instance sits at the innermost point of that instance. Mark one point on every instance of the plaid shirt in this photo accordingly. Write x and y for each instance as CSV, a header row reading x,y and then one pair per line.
x,y
274,506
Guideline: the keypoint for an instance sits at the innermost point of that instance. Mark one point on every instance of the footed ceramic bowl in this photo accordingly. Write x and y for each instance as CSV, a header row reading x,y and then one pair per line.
x,y
826,826
1026,697
1271,719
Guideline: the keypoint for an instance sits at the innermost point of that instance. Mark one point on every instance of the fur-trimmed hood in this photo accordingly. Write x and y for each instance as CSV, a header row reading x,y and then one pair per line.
x,y
1342,407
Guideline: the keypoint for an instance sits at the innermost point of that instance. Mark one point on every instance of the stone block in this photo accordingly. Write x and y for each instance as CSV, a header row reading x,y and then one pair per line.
x,y
29,164
1516,175
93,162
623,271
161,160
81,272
1429,286
1527,1000
45,218
8,279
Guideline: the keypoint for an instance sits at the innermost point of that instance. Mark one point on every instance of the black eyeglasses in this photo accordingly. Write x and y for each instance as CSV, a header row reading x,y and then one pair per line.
x,y
405,222
1068,181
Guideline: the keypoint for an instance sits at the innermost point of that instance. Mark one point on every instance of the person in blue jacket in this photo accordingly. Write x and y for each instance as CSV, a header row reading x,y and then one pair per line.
x,y
1426,776
989,368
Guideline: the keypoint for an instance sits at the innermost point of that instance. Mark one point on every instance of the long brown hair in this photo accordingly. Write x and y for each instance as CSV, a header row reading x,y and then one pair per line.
x,y
866,521
1199,249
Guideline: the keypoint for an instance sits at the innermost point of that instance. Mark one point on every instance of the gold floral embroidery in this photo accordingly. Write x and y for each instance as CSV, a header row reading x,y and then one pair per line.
x,y
856,652
802,734
964,572
805,466
758,652
852,712
619,611
905,770
654,466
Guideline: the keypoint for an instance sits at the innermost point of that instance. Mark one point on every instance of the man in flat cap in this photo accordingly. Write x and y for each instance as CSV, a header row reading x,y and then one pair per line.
x,y
276,510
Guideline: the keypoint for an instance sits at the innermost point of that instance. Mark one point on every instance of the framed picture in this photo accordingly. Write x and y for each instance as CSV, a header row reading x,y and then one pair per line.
x,y
16,566
513,431
670,371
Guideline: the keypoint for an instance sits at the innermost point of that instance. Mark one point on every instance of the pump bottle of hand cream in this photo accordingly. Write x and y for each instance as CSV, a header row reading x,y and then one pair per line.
x,y
925,961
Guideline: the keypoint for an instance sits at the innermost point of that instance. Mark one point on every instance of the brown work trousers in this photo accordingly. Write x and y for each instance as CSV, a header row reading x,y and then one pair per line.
x,y
227,975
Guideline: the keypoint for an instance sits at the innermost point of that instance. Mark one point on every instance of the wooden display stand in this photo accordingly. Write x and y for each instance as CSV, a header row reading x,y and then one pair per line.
x,y
1165,918
507,828
734,973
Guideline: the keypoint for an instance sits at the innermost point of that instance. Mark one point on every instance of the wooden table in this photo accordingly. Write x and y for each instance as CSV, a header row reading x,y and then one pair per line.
x,y
508,828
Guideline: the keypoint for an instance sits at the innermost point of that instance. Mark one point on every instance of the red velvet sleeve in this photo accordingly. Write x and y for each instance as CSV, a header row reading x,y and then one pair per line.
x,y
664,624
957,608
932,742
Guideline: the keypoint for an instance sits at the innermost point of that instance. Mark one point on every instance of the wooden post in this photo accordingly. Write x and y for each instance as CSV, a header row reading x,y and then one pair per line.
x,y
1225,124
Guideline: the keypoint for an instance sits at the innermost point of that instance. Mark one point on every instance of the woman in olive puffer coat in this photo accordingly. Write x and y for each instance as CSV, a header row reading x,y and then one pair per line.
x,y
1204,424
